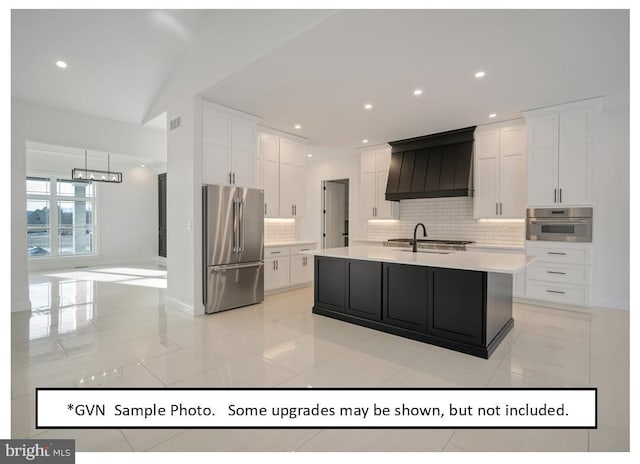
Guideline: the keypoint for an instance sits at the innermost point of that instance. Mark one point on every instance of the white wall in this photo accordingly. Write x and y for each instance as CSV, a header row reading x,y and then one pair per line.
x,y
31,122
329,164
127,223
184,236
611,251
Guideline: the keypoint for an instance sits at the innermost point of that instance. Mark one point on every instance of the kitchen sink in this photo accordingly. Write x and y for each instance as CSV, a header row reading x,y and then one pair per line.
x,y
437,252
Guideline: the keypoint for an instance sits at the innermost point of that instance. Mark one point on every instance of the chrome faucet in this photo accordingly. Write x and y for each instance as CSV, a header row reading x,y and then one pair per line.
x,y
415,231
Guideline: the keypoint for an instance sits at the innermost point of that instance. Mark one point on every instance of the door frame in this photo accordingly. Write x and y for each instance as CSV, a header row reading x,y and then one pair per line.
x,y
345,180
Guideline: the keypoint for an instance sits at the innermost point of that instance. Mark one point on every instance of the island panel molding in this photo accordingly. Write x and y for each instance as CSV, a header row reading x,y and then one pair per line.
x,y
464,310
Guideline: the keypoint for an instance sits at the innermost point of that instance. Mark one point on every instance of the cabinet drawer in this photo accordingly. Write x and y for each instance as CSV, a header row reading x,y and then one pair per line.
x,y
275,252
558,293
568,255
296,250
559,274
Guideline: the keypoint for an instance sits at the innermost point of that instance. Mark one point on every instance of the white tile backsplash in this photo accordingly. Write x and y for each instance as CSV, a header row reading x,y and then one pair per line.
x,y
446,219
280,231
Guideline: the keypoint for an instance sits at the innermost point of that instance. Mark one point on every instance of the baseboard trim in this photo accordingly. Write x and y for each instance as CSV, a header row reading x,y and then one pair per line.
x,y
180,305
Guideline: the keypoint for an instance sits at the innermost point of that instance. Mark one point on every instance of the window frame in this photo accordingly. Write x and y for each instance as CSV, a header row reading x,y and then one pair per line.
x,y
54,227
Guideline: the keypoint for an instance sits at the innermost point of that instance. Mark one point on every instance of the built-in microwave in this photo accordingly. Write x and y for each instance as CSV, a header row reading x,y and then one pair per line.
x,y
560,224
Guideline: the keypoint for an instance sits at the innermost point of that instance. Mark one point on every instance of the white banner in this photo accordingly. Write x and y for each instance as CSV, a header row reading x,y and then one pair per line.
x,y
315,407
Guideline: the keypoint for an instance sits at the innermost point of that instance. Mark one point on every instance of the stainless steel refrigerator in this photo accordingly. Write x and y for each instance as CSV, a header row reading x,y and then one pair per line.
x,y
233,249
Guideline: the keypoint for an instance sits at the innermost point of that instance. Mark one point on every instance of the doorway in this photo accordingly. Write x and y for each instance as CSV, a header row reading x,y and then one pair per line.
x,y
335,213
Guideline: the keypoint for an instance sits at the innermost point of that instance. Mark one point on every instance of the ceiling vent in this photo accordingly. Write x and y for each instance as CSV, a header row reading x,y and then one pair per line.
x,y
174,123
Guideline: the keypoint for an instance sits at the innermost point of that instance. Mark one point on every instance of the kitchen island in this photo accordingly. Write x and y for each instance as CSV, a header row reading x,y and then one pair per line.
x,y
456,300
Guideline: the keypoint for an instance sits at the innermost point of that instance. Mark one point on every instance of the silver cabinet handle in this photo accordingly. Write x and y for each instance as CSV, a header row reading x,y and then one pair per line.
x,y
556,253
291,210
373,212
274,252
295,210
555,195
265,209
500,208
230,177
556,272
276,264
560,195
496,209
234,178
556,291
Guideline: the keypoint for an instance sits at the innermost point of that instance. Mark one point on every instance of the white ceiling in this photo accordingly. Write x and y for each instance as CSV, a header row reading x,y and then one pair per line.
x,y
322,78
324,67
118,60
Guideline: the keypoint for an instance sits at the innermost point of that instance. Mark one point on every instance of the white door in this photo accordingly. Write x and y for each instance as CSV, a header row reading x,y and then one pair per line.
x,y
216,148
574,170
542,175
269,146
384,208
243,145
512,173
368,184
301,269
334,214
487,168
281,274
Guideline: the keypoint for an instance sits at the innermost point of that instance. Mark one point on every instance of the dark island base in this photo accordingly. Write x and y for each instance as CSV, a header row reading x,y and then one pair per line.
x,y
479,351
462,310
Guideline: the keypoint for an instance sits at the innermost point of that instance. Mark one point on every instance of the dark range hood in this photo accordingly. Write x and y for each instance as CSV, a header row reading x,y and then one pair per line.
x,y
433,166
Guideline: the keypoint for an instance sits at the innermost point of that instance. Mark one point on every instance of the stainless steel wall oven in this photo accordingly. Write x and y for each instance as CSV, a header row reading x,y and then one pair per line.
x,y
560,224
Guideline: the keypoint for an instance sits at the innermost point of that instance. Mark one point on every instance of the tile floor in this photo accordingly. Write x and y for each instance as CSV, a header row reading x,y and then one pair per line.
x,y
110,327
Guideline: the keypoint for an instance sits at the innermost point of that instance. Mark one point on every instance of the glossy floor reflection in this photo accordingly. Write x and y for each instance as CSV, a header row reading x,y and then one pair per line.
x,y
110,327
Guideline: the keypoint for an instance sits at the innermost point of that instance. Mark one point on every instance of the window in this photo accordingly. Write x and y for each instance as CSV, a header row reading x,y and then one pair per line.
x,y
60,217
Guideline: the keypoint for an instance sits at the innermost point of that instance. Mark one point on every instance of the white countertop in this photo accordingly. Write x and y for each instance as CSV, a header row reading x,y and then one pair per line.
x,y
496,246
505,263
290,243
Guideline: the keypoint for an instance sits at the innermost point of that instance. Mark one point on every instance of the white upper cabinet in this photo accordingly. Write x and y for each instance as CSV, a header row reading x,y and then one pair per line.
x,y
270,155
374,172
229,147
560,153
500,171
292,178
283,176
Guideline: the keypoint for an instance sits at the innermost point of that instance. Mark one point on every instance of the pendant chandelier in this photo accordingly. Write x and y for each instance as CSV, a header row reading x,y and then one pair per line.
x,y
94,174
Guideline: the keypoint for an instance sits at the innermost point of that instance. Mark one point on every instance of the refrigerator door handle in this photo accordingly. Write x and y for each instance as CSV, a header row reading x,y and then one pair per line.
x,y
235,225
231,267
241,216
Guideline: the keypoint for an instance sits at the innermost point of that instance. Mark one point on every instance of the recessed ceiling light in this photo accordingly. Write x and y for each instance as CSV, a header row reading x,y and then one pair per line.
x,y
365,141
61,64
479,74
417,92
368,106
493,115
309,155
142,165
298,126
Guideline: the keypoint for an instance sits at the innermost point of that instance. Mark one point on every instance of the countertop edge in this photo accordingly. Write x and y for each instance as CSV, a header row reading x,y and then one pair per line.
x,y
399,259
290,243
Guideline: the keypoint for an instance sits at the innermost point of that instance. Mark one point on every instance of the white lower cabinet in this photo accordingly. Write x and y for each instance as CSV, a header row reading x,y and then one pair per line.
x,y
301,269
285,266
560,274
